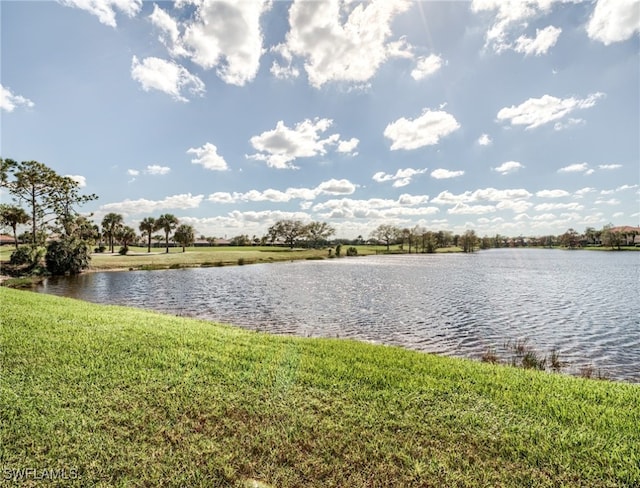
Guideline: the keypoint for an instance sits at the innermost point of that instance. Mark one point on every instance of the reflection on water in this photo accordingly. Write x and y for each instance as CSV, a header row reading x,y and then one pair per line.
x,y
586,305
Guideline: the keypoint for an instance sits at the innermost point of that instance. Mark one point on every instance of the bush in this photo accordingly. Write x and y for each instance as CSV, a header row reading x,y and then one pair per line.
x,y
352,251
23,255
123,251
100,249
67,256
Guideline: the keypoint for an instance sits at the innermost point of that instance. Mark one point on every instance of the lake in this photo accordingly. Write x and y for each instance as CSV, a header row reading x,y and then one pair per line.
x,y
584,304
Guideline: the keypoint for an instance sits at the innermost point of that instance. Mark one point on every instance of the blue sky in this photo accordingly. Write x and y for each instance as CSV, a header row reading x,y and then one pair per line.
x,y
518,118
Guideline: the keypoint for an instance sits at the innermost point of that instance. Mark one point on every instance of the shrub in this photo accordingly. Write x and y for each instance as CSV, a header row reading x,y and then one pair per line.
x,y
352,251
338,250
67,256
123,251
22,255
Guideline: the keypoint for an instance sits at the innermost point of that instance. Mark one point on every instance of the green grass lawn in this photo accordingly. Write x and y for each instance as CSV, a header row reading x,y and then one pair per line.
x,y
124,397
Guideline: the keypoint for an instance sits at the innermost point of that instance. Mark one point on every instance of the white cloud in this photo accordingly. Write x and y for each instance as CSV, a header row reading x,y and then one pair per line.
x,y
611,201
545,39
348,146
464,209
535,112
485,140
482,195
609,166
575,168
207,155
144,206
336,187
166,76
342,40
426,130
614,21
280,146
329,187
225,35
441,174
411,200
508,167
156,169
9,101
105,10
402,177
426,66
133,172
543,207
552,193
81,180
583,191
568,124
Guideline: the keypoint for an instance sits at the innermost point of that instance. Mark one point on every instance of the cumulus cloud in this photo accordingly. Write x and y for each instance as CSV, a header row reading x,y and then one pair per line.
x,y
441,174
374,208
329,187
511,17
464,209
207,156
166,76
609,166
105,10
508,167
544,207
401,178
144,206
485,140
348,146
482,195
279,147
343,41
535,112
9,101
614,21
225,35
156,169
545,39
576,168
133,172
425,130
81,180
426,66
552,193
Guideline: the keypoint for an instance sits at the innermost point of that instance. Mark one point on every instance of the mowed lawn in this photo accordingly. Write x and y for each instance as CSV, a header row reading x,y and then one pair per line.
x,y
114,396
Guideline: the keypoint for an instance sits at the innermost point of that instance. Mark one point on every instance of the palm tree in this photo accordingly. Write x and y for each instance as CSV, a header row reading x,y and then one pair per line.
x,y
13,216
148,226
110,225
126,235
184,235
167,222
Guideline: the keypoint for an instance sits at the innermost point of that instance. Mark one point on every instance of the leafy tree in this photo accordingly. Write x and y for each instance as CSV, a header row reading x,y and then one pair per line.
x,y
47,195
288,230
240,240
68,255
167,222
570,239
148,226
318,232
13,216
468,241
386,233
610,237
111,223
184,235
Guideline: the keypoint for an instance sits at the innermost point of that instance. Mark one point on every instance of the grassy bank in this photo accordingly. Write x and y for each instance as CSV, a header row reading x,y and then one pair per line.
x,y
116,396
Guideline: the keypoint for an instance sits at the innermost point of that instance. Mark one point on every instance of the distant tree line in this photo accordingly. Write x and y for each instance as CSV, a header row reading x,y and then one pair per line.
x,y
49,202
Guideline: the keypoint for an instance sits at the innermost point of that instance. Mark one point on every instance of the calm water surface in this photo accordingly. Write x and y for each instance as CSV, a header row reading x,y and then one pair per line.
x,y
586,305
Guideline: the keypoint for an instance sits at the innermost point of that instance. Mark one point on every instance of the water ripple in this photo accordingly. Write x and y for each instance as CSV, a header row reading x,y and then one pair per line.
x,y
585,305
